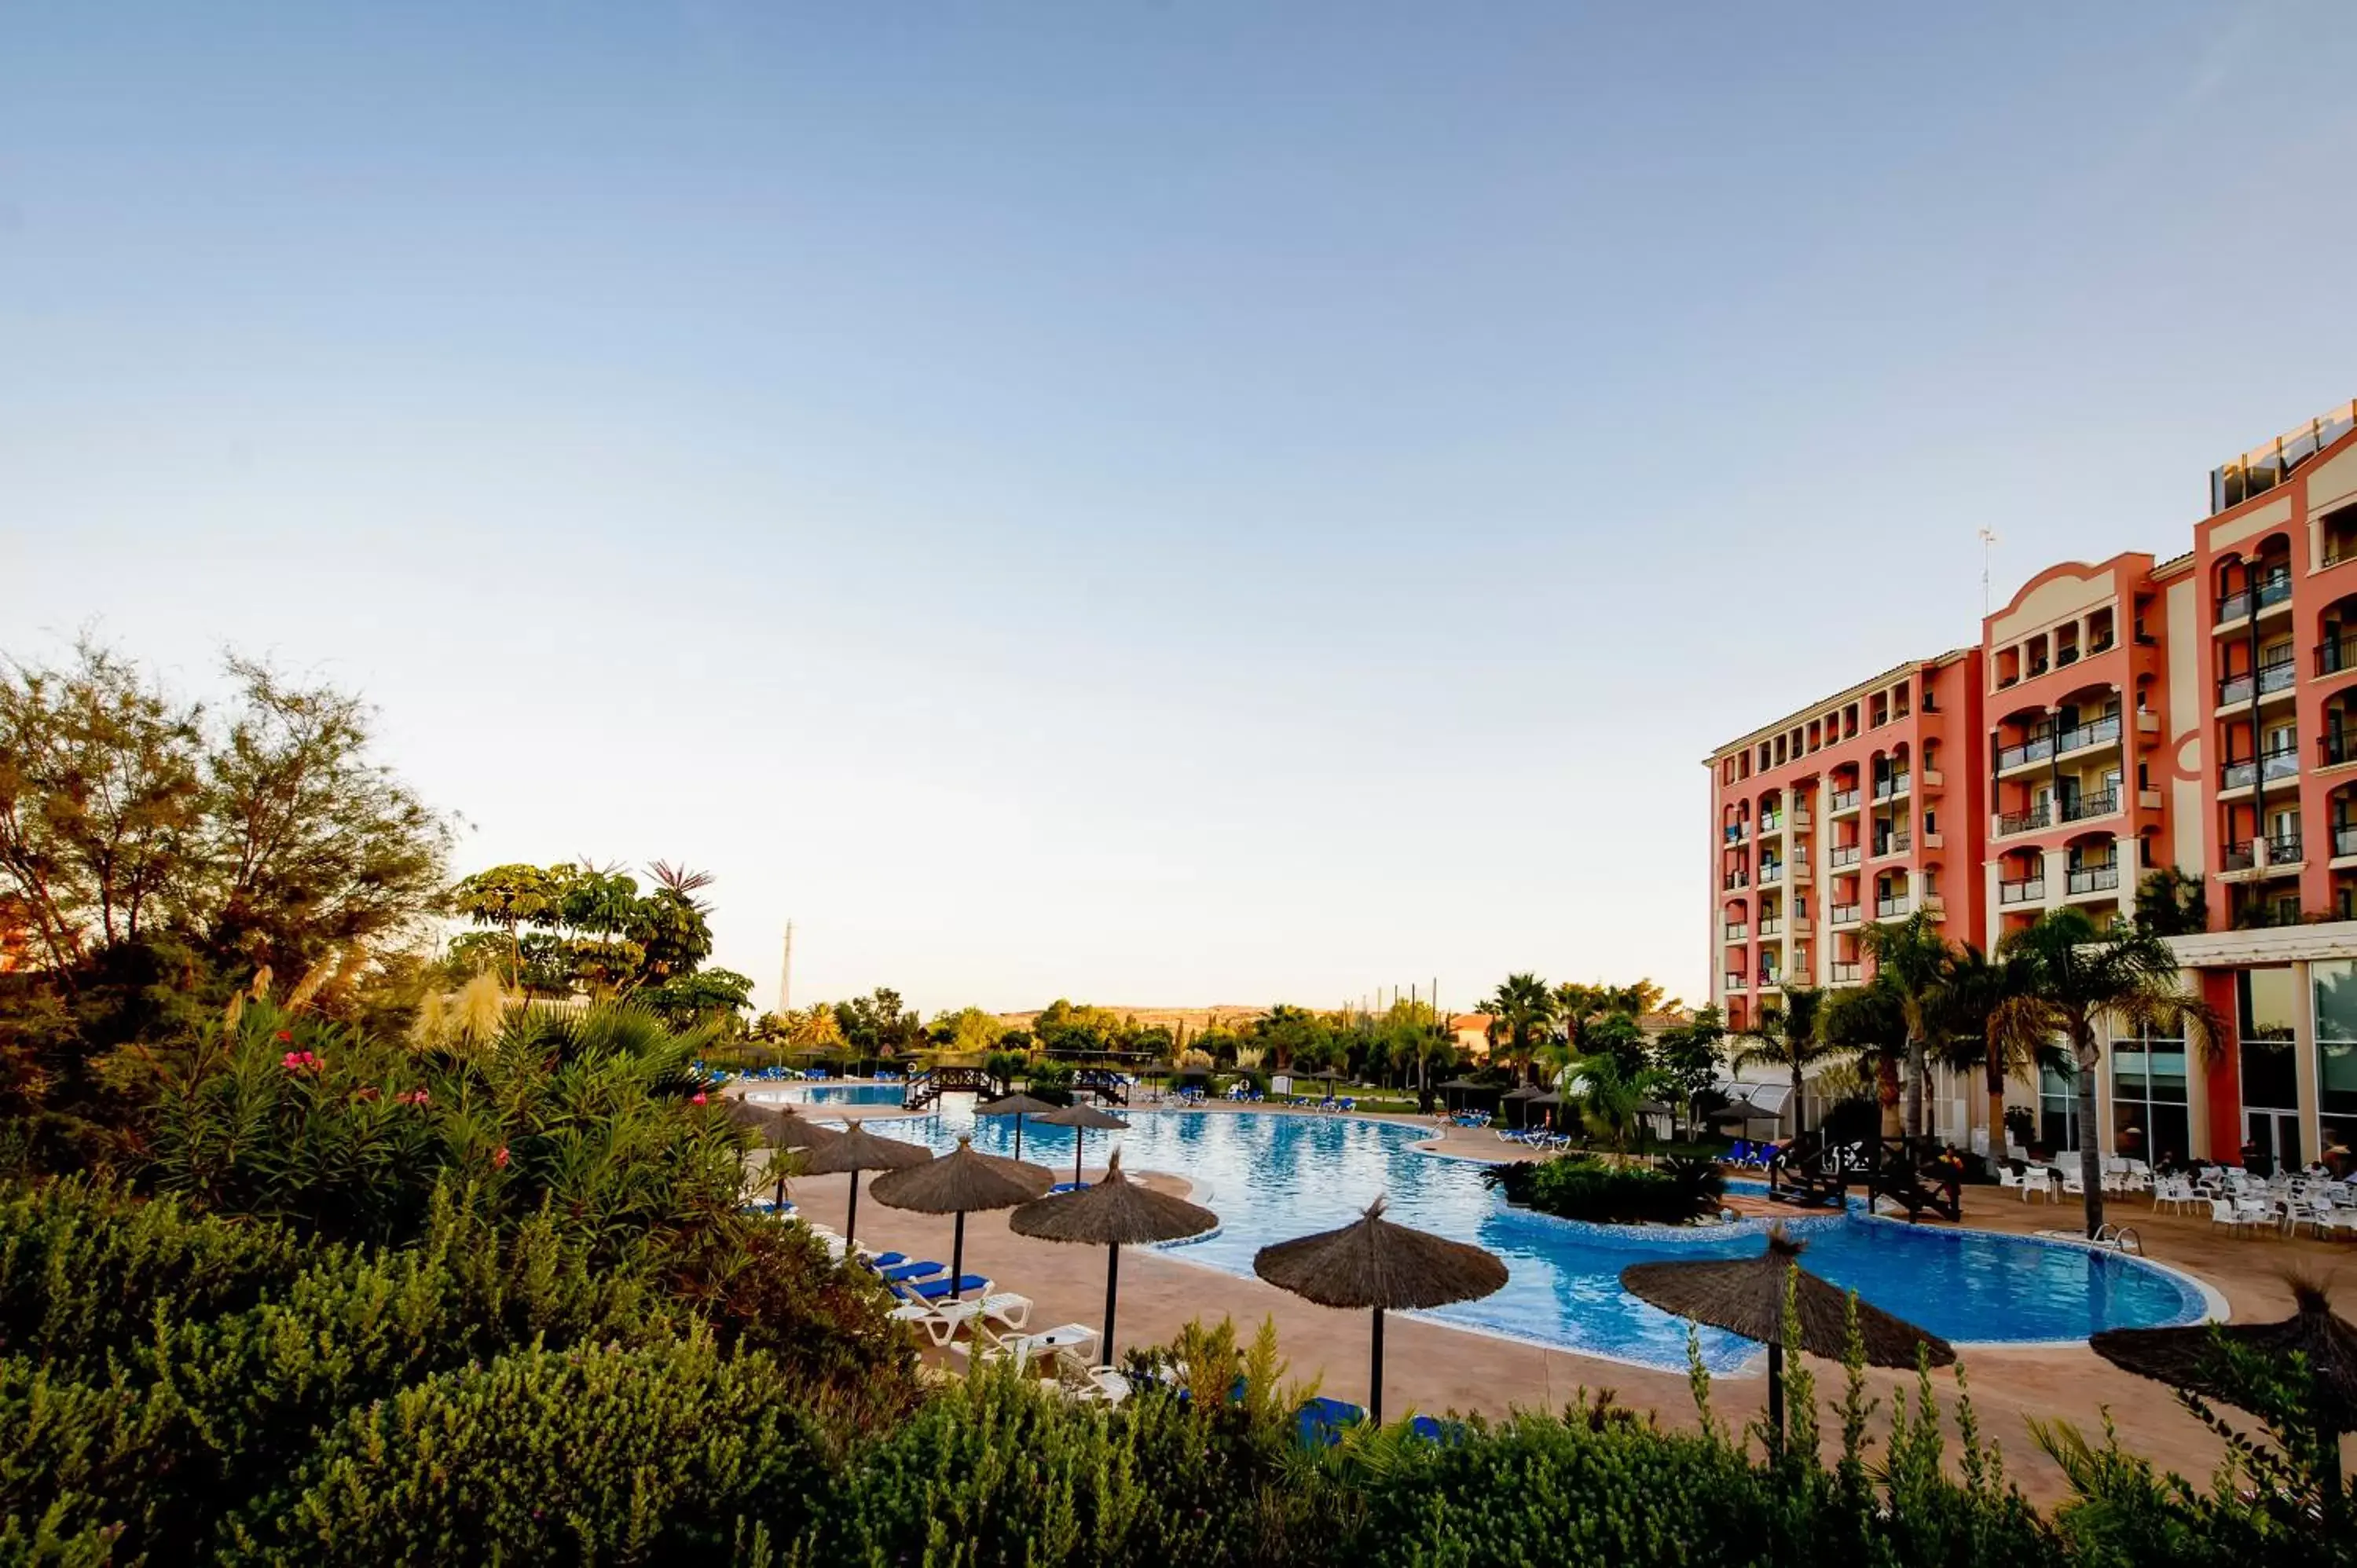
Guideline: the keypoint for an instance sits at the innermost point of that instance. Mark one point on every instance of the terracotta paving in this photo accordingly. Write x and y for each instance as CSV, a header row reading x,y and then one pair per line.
x,y
1430,1367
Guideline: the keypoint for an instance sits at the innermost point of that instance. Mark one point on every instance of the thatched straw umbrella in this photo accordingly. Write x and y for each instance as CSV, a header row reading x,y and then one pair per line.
x,y
1746,1295
1080,1117
785,1129
2192,1359
1519,1095
860,1150
1375,1263
1018,1106
1114,1214
962,1183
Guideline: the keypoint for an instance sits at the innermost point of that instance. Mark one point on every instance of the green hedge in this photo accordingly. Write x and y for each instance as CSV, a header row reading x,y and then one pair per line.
x,y
1580,1186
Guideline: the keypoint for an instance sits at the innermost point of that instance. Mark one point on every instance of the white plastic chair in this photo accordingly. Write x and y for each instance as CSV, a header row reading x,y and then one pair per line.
x,y
2222,1211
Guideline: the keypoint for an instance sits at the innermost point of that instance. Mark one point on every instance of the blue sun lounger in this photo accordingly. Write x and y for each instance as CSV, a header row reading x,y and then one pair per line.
x,y
933,1290
902,1273
1320,1420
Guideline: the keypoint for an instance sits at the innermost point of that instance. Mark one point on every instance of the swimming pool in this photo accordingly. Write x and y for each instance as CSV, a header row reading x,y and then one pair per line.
x,y
1271,1178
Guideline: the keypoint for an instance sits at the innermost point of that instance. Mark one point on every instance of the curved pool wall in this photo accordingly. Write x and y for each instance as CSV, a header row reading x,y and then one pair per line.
x,y
1271,1176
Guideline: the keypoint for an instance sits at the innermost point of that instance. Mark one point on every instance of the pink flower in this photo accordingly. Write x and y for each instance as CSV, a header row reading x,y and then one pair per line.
x,y
500,1159
697,1098
284,1034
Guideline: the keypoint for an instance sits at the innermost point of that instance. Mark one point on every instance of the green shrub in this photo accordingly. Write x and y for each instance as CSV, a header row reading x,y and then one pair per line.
x,y
1580,1186
596,1453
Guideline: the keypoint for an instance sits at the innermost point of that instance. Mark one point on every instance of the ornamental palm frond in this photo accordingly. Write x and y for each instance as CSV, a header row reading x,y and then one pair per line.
x,y
1788,1036
1912,959
1524,1011
2066,974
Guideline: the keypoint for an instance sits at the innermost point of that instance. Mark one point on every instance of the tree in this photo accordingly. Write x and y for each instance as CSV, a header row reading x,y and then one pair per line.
x,y
2067,974
1869,1023
1294,1039
587,928
510,898
1792,1038
969,1031
1522,1013
1911,958
1688,1056
2171,904
1611,1096
712,996
1976,1031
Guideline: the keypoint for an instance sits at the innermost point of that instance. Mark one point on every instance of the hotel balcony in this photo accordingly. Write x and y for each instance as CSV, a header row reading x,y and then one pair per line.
x,y
1842,801
1844,856
1799,820
2344,845
2037,748
2335,748
1844,914
2081,807
1891,909
2088,881
2275,765
1895,843
2270,591
1892,787
2272,680
1803,924
1770,823
2238,858
1733,880
2338,656
1933,778
1737,831
1770,874
1841,973
2286,856
1935,841
2029,821
1738,933
1736,983
2022,890
1772,926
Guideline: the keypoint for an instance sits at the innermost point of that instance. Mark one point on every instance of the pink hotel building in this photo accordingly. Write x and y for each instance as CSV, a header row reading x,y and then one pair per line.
x,y
2196,712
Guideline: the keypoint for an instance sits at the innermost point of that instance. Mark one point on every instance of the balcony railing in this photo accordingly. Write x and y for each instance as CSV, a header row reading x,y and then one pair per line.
x,y
1889,908
1844,801
2085,806
2027,821
1771,871
2262,469
2282,763
2021,890
1735,879
2336,745
2276,676
1844,854
1844,914
1841,974
2101,732
1770,977
1736,833
1737,932
1772,825
2094,878
2344,838
2283,849
2237,856
2037,748
1893,843
1772,926
2272,589
2340,653
1884,789
1735,982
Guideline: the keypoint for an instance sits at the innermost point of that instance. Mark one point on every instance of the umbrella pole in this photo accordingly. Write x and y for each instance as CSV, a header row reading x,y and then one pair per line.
x,y
1079,1136
1776,1397
1375,1392
1019,1134
1113,1284
780,1204
957,1256
850,1215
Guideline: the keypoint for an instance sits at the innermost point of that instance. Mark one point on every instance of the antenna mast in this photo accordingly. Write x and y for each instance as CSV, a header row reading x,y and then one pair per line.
x,y
1988,537
786,973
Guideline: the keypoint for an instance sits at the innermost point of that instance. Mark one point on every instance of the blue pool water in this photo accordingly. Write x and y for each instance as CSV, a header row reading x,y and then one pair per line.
x,y
1271,1178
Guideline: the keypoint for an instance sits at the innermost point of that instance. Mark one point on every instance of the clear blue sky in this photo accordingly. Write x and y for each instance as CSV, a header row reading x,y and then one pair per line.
x,y
1159,503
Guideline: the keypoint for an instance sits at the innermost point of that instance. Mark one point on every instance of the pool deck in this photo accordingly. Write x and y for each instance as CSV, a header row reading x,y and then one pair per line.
x,y
1432,1367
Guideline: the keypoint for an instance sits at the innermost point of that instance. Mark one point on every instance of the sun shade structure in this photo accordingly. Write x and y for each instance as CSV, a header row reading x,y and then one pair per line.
x,y
1746,1295
1373,1264
2189,1359
1080,1117
860,1150
1114,1214
1018,1106
782,1129
962,1183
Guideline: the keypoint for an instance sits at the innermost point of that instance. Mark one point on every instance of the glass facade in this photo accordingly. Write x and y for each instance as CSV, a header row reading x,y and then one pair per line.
x,y
2149,1116
2335,981
2058,1111
2269,1004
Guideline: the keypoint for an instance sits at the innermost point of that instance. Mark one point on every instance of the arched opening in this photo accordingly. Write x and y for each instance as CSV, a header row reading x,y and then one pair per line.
x,y
2336,644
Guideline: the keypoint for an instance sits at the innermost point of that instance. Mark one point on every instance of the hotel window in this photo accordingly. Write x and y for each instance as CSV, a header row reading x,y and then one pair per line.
x,y
2267,1002
2150,1119
2058,1111
2336,1050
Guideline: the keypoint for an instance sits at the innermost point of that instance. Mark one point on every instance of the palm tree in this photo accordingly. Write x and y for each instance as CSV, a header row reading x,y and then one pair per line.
x,y
1611,1094
1869,1023
1912,959
1976,1030
1522,1013
1789,1038
2067,973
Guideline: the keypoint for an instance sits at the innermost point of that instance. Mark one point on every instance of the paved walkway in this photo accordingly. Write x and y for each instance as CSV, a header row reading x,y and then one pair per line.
x,y
1431,1368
